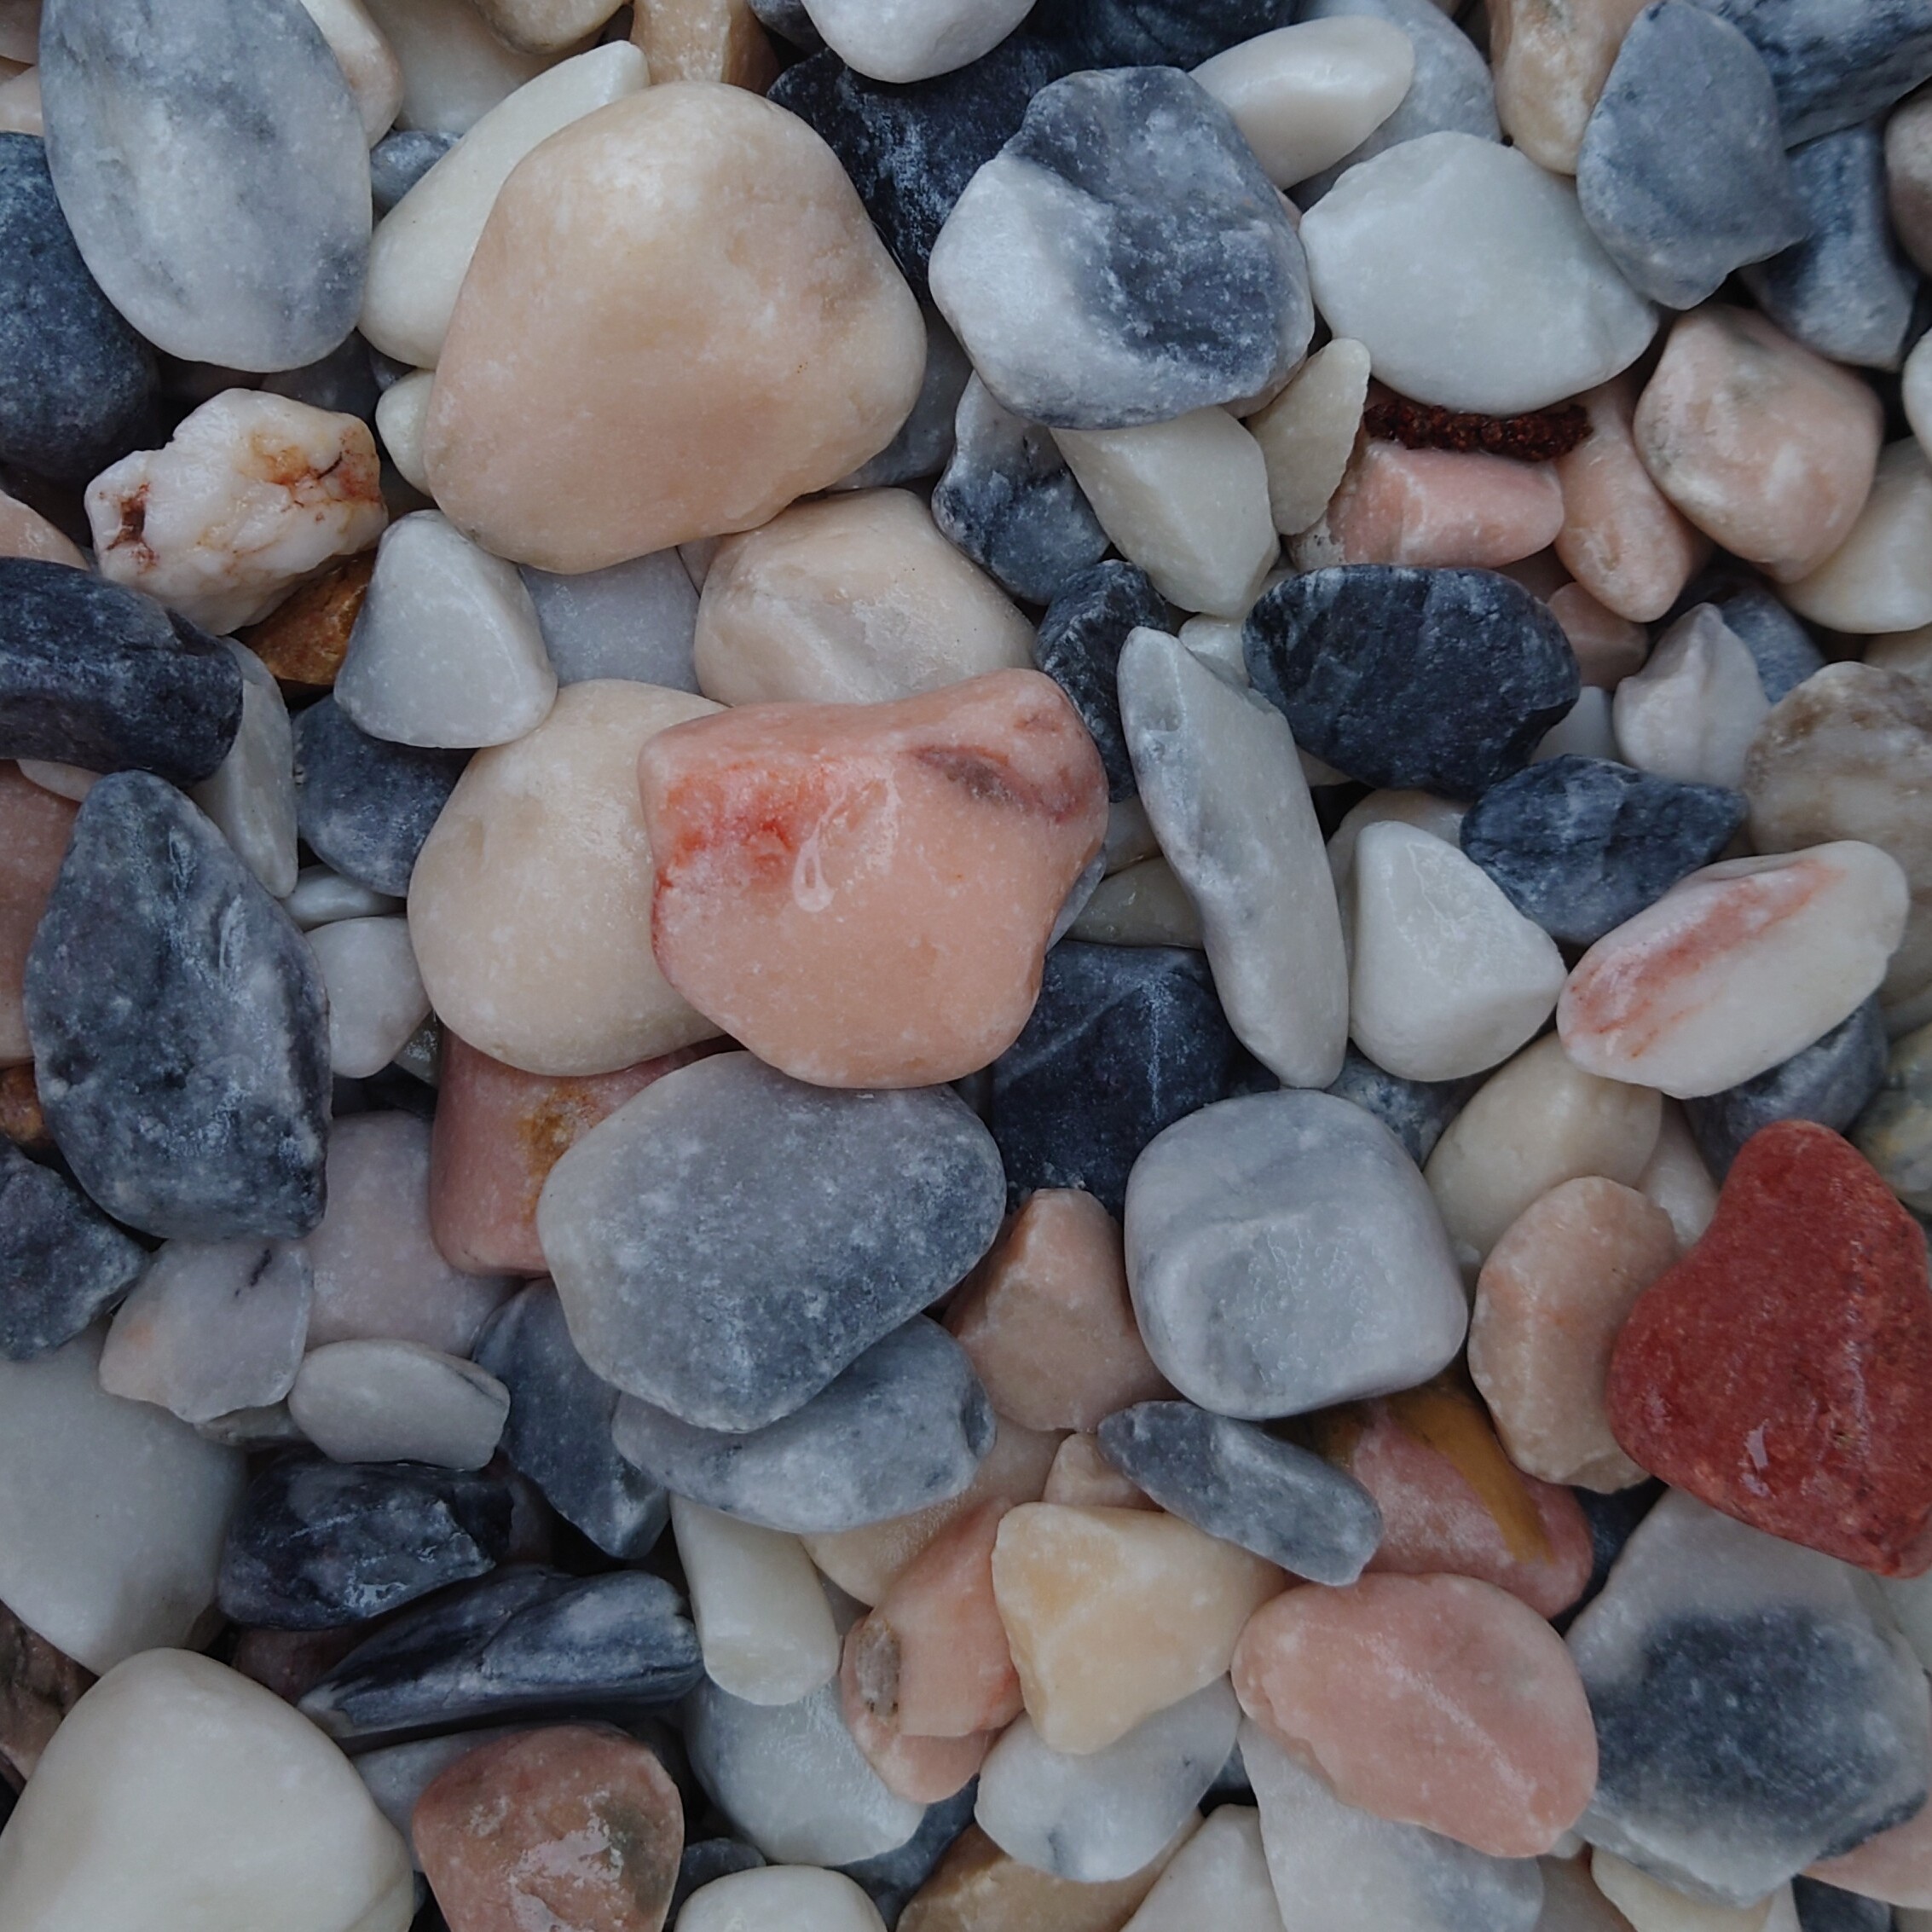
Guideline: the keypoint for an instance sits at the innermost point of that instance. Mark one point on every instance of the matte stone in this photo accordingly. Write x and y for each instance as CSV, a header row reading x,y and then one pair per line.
x,y
1894,1132
1826,1908
1079,646
706,1859
891,1877
62,1262
1416,1111
977,1887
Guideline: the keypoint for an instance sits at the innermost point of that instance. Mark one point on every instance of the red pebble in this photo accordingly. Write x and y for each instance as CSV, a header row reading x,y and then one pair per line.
x,y
1782,1371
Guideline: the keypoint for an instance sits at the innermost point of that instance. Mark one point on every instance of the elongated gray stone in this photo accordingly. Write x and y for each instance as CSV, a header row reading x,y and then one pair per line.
x,y
62,1261
729,1240
211,163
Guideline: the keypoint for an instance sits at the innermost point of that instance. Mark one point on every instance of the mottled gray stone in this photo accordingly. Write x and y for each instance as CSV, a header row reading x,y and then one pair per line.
x,y
636,620
1414,1110
62,1262
399,160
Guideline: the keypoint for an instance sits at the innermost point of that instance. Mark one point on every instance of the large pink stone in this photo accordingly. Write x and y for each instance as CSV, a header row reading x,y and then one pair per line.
x,y
34,830
1437,507
862,893
920,1769
1437,1701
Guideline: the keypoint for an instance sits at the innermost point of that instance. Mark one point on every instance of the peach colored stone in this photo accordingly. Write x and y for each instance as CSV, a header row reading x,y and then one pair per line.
x,y
1622,539
34,828
1766,446
850,600
25,533
1437,508
977,1887
1451,1501
862,895
574,1827
1549,1302
704,40
1046,1320
1550,58
1083,1477
21,111
1895,1866
544,26
1115,1614
306,639
1608,648
921,1769
1438,1700
498,1132
679,319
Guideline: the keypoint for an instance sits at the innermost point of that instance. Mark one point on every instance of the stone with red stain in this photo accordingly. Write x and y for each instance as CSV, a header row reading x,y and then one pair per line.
x,y
576,1828
1782,1371
863,895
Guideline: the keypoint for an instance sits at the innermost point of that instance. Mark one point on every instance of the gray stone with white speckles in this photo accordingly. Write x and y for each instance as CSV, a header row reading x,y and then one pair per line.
x,y
1777,641
399,160
62,1261
1415,1112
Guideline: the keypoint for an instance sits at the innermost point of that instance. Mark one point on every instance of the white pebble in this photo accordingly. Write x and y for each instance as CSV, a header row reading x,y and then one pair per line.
x,y
1676,1179
1307,433
398,1402
1650,1906
1584,731
402,410
904,40
375,997
250,794
323,896
454,69
1691,712
1219,1879
64,781
1918,389
1880,578
780,1898
371,68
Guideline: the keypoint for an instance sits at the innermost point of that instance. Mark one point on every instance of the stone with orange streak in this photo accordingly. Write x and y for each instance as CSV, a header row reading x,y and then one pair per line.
x,y
1437,1701
24,532
1083,1477
1737,968
923,1770
1608,648
704,40
863,895
1440,509
34,828
1552,58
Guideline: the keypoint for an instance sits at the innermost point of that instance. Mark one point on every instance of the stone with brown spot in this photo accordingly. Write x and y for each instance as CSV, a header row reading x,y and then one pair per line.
x,y
21,1120
977,1887
38,1686
921,1770
304,640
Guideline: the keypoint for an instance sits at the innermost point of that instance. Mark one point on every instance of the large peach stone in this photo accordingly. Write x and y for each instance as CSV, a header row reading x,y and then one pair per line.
x,y
863,895
34,828
679,319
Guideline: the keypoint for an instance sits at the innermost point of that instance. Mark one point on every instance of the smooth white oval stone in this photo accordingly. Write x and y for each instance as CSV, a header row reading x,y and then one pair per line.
x,y
322,896
780,1898
398,1402
1441,817
454,69
1218,1878
367,63
637,621
402,409
1879,579
904,40
1472,276
421,248
1691,712
375,997
446,650
251,795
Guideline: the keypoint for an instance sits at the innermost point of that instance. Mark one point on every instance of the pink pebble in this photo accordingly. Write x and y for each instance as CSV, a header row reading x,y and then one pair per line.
x,y
1439,507
921,1770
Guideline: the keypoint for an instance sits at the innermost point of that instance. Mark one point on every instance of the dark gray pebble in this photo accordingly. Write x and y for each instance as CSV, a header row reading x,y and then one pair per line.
x,y
1156,33
890,1879
1414,1110
1078,647
1826,1908
62,1261
401,160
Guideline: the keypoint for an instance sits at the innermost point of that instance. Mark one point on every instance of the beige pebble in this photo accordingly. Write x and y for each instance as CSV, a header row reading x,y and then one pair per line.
x,y
1677,1180
1691,712
705,40
367,62
1608,648
1142,905
1307,432
1082,1476
544,26
977,1887
1552,58
24,532
401,412
1650,1906
1907,652
1440,817
20,111
1880,577
455,68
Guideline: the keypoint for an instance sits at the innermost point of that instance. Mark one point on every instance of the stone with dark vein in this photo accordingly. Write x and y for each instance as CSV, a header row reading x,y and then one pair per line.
x,y
1078,647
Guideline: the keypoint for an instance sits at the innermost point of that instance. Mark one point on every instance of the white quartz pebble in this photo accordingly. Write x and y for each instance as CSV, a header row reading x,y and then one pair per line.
x,y
454,69
1187,500
1441,817
780,1898
1472,277
637,621
1218,1878
1100,1816
1676,1179
401,412
1448,977
367,62
322,896
904,40
1648,1905
763,1623
111,1512
212,1327
1584,731
1880,578
250,794
446,650
64,781
1308,432
1691,712
1218,773
375,997
398,1402
421,248
1306,95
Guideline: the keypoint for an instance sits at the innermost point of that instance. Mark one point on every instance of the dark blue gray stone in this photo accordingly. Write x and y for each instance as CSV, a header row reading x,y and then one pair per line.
x,y
364,804
1832,1081
103,677
524,1642
924,441
1682,176
1078,647
905,1426
399,160
318,1544
890,1879
1437,681
705,1859
1239,1484
1010,502
62,1261
558,1433
1123,1042
1582,844
1156,33
790,21
1846,290
77,384
911,149
342,381
1826,1908
1414,1110
179,1025
1781,645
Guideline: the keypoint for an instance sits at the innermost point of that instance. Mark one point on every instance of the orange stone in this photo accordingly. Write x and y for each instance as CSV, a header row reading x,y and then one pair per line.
x,y
977,1887
1437,508
704,40
1083,1477
921,1770
862,895
305,641
22,1121
34,828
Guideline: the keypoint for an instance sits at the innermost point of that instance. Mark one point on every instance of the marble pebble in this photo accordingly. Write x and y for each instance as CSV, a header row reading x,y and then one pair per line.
x,y
1143,904
912,40
1416,1111
1648,1905
1894,1132
455,68
976,1886
1308,432
1690,715
1780,644
36,826
371,68
1092,613
1677,1180
636,620
1219,1876
1551,64
401,160
62,1262
1877,579
715,40
375,997
803,1897
251,795
397,1402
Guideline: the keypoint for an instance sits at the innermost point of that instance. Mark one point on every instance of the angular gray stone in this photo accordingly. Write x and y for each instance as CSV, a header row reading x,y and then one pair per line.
x,y
62,1261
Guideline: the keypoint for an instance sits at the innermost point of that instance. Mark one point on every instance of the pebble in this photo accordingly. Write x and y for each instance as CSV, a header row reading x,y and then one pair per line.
x,y
1692,711
1585,731
1790,944
574,1824
251,795
374,74
689,433
62,1262
1907,652
705,1860
24,532
237,232
1551,64
1782,646
1219,1877
1834,66
1308,432
1908,164
1144,904
1484,671
1716,1650
1087,624
977,1887
1415,1112
211,1327
38,1686
1894,1132
531,947
855,599
455,66
1284,1255
1891,1867
1878,579
715,40
636,620
915,41
803,1897
1647,1905
737,1308
178,1795
375,994
924,1771
1471,277
1143,178
1550,1301
1676,1178
1242,1485
844,944
37,827
401,160
304,641
1115,1614
1083,1477
398,1402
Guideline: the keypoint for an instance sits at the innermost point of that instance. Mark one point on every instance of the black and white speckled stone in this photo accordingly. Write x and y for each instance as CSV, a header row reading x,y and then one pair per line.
x,y
1123,1042
363,804
1010,502
524,1642
890,1879
62,1261
1437,681
1777,641
1239,1484
1414,1110
1682,175
100,676
1156,33
401,160
1078,647
318,1544
1123,259
1826,1908
1582,844
1832,1081
179,1025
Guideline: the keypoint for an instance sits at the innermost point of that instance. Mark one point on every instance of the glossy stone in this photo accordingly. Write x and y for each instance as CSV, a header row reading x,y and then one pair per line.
x,y
1308,432
397,1402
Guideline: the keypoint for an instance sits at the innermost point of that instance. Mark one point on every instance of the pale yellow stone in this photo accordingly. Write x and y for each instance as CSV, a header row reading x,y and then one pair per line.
x,y
455,68
977,1887
1879,579
1677,1180
850,600
369,63
1907,652
678,320
1144,904
529,908
1650,1906
1084,1478
403,408
544,26
705,40
1307,432
19,104
1550,58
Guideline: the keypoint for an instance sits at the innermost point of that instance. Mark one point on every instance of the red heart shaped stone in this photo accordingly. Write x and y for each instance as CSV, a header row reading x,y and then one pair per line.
x,y
1782,1371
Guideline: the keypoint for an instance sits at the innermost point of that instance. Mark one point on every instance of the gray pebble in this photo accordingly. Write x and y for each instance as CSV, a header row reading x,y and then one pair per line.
x,y
62,1261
